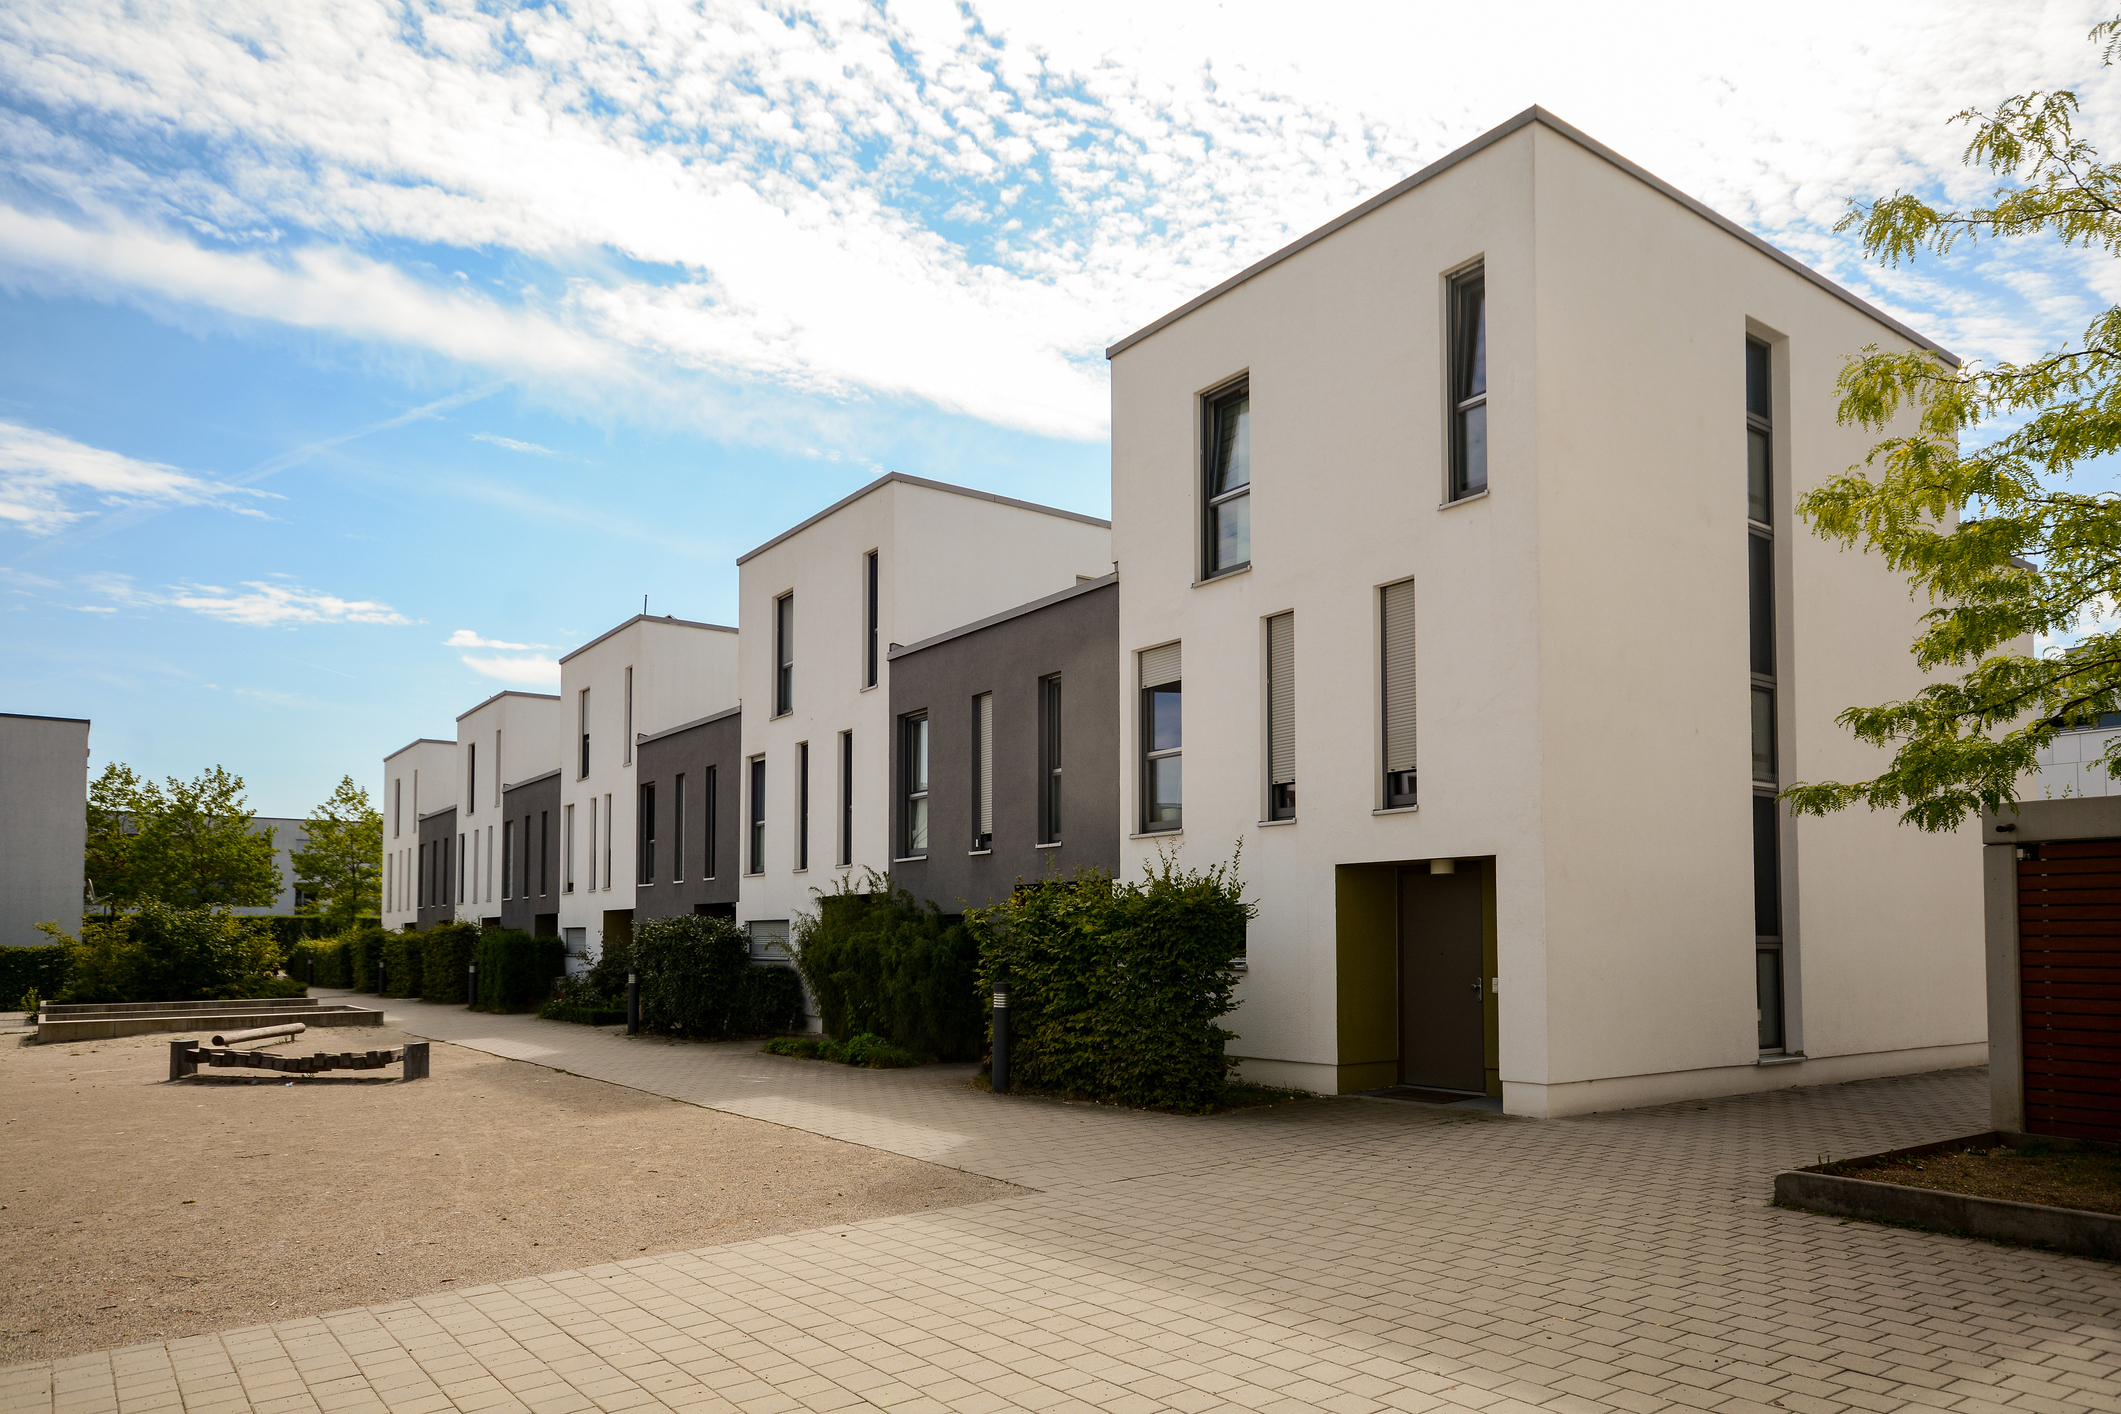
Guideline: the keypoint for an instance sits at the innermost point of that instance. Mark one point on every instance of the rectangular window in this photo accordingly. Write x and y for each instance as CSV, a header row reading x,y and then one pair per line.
x,y
626,738
508,852
462,856
758,814
677,829
983,771
1162,723
567,844
497,769
644,867
784,655
1281,717
1227,527
1468,299
711,827
397,807
1760,634
544,853
1049,755
847,798
869,587
913,767
592,843
471,778
390,887
1396,632
802,805
610,820
582,725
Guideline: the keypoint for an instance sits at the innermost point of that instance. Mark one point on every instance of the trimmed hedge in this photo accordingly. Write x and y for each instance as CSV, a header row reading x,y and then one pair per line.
x,y
1116,989
697,979
403,955
43,970
290,929
516,970
880,964
446,953
318,962
872,1052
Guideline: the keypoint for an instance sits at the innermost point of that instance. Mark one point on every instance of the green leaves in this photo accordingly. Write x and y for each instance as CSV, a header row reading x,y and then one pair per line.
x,y
340,869
184,843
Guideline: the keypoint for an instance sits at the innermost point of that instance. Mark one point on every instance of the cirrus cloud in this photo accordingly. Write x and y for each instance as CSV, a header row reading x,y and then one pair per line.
x,y
48,481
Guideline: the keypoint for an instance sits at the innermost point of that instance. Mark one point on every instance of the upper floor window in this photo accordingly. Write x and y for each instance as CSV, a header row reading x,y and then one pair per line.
x,y
983,771
1162,726
1396,627
758,815
1227,530
626,738
1049,748
645,865
869,604
582,726
508,852
1281,717
784,654
1469,383
913,767
471,778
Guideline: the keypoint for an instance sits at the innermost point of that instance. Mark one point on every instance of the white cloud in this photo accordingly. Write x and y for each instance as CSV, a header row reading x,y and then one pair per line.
x,y
511,444
260,603
469,638
48,481
538,670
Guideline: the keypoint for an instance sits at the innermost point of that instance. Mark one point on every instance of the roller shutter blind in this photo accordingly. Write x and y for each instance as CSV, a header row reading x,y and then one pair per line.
x,y
1159,665
1398,629
1281,699
986,765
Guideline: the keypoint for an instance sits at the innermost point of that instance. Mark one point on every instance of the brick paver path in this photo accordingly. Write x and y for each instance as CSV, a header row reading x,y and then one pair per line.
x,y
1351,1256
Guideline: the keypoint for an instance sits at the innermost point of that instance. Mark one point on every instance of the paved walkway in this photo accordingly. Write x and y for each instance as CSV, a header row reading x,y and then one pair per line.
x,y
1350,1256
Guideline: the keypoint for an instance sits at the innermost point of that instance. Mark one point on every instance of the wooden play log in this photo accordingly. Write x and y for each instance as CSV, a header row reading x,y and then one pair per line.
x,y
260,1033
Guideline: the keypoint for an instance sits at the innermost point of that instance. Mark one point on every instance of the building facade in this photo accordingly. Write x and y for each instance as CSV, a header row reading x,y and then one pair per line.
x,y
43,825
1534,421
418,778
510,733
686,845
529,865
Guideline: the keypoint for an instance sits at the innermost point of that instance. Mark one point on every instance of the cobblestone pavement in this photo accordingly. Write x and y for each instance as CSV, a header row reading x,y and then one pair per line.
x,y
1348,1255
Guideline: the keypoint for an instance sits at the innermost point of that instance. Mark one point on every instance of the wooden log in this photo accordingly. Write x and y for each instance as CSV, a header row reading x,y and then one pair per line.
x,y
260,1033
183,1059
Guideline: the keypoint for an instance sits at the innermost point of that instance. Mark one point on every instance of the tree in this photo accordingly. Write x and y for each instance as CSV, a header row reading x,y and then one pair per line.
x,y
185,843
341,869
1991,535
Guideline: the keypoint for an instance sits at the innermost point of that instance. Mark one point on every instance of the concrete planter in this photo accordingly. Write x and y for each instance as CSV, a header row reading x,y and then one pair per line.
x,y
95,1022
1998,1219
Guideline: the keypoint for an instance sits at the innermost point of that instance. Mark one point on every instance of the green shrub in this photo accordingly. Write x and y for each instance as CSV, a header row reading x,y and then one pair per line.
x,y
607,976
697,979
516,970
43,970
402,954
446,951
318,962
161,953
363,945
1116,989
874,1052
877,962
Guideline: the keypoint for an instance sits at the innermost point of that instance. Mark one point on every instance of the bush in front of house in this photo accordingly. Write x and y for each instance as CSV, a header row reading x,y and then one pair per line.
x,y
516,970
403,956
159,952
446,951
35,973
698,979
880,964
1116,990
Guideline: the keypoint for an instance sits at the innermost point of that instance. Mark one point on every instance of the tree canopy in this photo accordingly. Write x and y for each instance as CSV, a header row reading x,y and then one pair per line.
x,y
1971,500
184,843
340,869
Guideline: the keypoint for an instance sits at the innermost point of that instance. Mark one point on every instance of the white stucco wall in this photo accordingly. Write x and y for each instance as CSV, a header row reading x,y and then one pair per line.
x,y
518,735
418,779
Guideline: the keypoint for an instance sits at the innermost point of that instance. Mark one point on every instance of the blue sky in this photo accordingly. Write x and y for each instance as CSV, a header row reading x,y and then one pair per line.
x,y
360,358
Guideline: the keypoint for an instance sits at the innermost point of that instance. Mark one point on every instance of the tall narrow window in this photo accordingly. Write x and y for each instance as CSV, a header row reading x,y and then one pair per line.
x,y
390,886
758,814
397,807
983,771
1228,523
544,853
592,842
869,605
610,820
1760,630
567,845
1469,383
1396,610
508,854
471,778
644,867
784,654
582,725
626,740
1049,755
712,826
461,870
802,805
1162,723
1281,717
677,828
913,767
525,876
847,797
497,769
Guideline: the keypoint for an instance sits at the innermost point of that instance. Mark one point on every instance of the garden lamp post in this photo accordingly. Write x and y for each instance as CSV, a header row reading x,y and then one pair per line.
x,y
1001,1034
633,1001
471,984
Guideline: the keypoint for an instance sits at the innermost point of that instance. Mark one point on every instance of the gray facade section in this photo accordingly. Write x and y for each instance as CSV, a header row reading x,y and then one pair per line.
x,y
695,866
287,837
43,825
1072,636
438,878
530,878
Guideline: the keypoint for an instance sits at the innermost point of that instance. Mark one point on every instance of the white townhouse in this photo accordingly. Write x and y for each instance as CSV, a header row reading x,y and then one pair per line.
x,y
644,676
1533,421
510,736
822,605
418,778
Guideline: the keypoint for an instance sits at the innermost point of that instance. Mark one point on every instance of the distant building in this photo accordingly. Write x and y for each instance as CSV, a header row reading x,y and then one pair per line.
x,y
287,837
43,824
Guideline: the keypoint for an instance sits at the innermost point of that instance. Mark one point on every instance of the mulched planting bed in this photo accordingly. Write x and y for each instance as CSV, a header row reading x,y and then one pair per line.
x,y
2058,1178
1235,1097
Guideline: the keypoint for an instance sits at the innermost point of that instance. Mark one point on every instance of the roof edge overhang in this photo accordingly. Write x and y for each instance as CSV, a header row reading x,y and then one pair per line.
x,y
890,477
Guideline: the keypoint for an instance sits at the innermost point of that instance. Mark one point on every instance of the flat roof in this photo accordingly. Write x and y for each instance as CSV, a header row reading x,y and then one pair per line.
x,y
34,717
664,619
445,810
509,692
643,738
890,476
419,741
897,652
531,781
1536,114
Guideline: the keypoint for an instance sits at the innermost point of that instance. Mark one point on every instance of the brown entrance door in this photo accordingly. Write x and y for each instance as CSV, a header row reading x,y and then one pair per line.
x,y
2069,988
1440,982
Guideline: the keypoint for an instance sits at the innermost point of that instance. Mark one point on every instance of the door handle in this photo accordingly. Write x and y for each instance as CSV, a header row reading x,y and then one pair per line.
x,y
1476,986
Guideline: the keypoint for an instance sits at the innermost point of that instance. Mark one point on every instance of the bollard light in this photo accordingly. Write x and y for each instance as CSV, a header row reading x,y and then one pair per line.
x,y
1001,1036
471,984
633,1002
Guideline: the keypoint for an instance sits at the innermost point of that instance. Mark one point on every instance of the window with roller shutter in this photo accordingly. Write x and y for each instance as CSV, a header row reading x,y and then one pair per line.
x,y
1396,629
1281,717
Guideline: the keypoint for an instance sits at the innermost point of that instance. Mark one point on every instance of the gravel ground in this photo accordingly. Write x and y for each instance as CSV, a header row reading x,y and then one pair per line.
x,y
135,1209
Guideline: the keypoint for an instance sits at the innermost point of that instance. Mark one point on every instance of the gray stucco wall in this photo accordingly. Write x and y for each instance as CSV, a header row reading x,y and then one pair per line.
x,y
288,836
713,743
436,863
1074,634
532,878
43,824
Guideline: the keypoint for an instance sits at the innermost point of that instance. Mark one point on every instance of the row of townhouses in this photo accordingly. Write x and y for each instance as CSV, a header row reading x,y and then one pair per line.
x,y
1484,625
